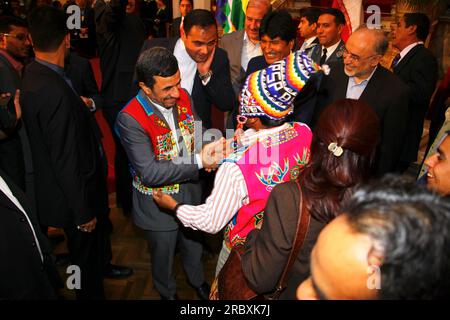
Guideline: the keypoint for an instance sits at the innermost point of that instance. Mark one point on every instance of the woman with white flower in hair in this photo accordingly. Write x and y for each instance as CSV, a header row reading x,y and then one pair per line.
x,y
342,154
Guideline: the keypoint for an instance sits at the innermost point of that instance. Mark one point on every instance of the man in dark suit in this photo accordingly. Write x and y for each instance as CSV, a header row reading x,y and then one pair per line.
x,y
361,77
79,71
205,69
26,267
308,28
120,34
67,155
329,27
159,132
14,49
186,6
418,68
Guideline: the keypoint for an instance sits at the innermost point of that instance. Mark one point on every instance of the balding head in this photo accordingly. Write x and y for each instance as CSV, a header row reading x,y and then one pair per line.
x,y
265,4
255,12
363,51
375,38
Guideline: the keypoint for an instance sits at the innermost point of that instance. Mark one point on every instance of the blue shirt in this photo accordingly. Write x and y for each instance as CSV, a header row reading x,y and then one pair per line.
x,y
355,90
59,70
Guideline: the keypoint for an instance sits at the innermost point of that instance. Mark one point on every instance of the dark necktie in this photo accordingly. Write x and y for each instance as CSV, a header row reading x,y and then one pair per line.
x,y
396,60
324,56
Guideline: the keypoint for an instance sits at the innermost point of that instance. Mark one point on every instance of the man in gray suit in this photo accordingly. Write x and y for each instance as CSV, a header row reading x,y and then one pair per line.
x,y
243,45
159,131
329,28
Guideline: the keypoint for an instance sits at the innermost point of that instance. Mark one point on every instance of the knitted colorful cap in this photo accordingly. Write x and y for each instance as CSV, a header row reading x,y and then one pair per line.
x,y
271,91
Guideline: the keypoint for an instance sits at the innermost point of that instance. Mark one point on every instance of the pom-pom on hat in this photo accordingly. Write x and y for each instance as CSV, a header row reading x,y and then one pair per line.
x,y
271,91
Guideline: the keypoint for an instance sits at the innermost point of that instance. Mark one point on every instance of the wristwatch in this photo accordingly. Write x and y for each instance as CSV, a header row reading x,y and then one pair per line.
x,y
205,76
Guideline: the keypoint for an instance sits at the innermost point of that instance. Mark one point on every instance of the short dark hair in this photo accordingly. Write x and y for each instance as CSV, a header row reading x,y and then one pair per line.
x,y
410,228
191,1
47,26
421,21
6,22
198,17
327,180
278,23
311,14
157,61
339,17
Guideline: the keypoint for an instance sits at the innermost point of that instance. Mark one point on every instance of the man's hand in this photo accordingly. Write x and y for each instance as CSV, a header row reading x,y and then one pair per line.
x,y
88,226
17,105
215,152
87,101
204,67
164,201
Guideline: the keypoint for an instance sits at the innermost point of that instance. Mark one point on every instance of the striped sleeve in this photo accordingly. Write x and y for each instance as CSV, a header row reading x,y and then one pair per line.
x,y
227,197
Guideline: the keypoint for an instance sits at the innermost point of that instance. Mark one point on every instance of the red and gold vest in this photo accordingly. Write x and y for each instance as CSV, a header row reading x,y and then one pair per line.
x,y
161,136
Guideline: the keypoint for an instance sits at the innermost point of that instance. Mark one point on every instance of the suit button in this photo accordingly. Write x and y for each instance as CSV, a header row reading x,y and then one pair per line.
x,y
33,244
22,219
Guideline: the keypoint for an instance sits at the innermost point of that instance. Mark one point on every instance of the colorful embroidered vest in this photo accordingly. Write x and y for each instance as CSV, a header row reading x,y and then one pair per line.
x,y
275,159
161,136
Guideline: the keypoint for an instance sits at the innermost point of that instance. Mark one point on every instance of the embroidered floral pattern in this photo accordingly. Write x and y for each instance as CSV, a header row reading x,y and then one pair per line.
x,y
304,159
274,176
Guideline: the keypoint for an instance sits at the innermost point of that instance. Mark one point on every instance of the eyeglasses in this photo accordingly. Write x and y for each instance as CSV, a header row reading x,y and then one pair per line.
x,y
354,57
19,36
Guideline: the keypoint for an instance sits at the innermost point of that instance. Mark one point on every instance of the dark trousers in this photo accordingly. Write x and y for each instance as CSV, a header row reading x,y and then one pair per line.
x,y
162,245
92,253
121,168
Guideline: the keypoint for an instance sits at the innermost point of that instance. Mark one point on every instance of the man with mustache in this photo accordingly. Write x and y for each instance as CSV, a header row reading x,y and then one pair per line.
x,y
160,133
243,45
361,77
204,68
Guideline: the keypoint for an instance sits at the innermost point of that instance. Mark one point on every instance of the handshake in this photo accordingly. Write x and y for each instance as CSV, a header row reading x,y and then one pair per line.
x,y
213,153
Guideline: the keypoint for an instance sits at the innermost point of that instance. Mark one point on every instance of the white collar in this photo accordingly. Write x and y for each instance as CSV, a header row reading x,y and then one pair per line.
x,y
180,52
331,49
309,41
248,41
164,111
405,51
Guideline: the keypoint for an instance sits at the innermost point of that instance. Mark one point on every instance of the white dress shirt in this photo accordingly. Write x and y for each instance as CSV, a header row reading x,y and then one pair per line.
x,y
228,195
187,66
7,191
307,43
405,51
168,116
249,51
331,49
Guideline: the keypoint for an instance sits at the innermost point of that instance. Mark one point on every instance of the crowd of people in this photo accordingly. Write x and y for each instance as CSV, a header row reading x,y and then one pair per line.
x,y
318,131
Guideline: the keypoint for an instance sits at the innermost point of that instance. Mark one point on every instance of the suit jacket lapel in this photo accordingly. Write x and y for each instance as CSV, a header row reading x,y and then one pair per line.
x,y
370,93
341,83
16,193
337,54
406,58
240,40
